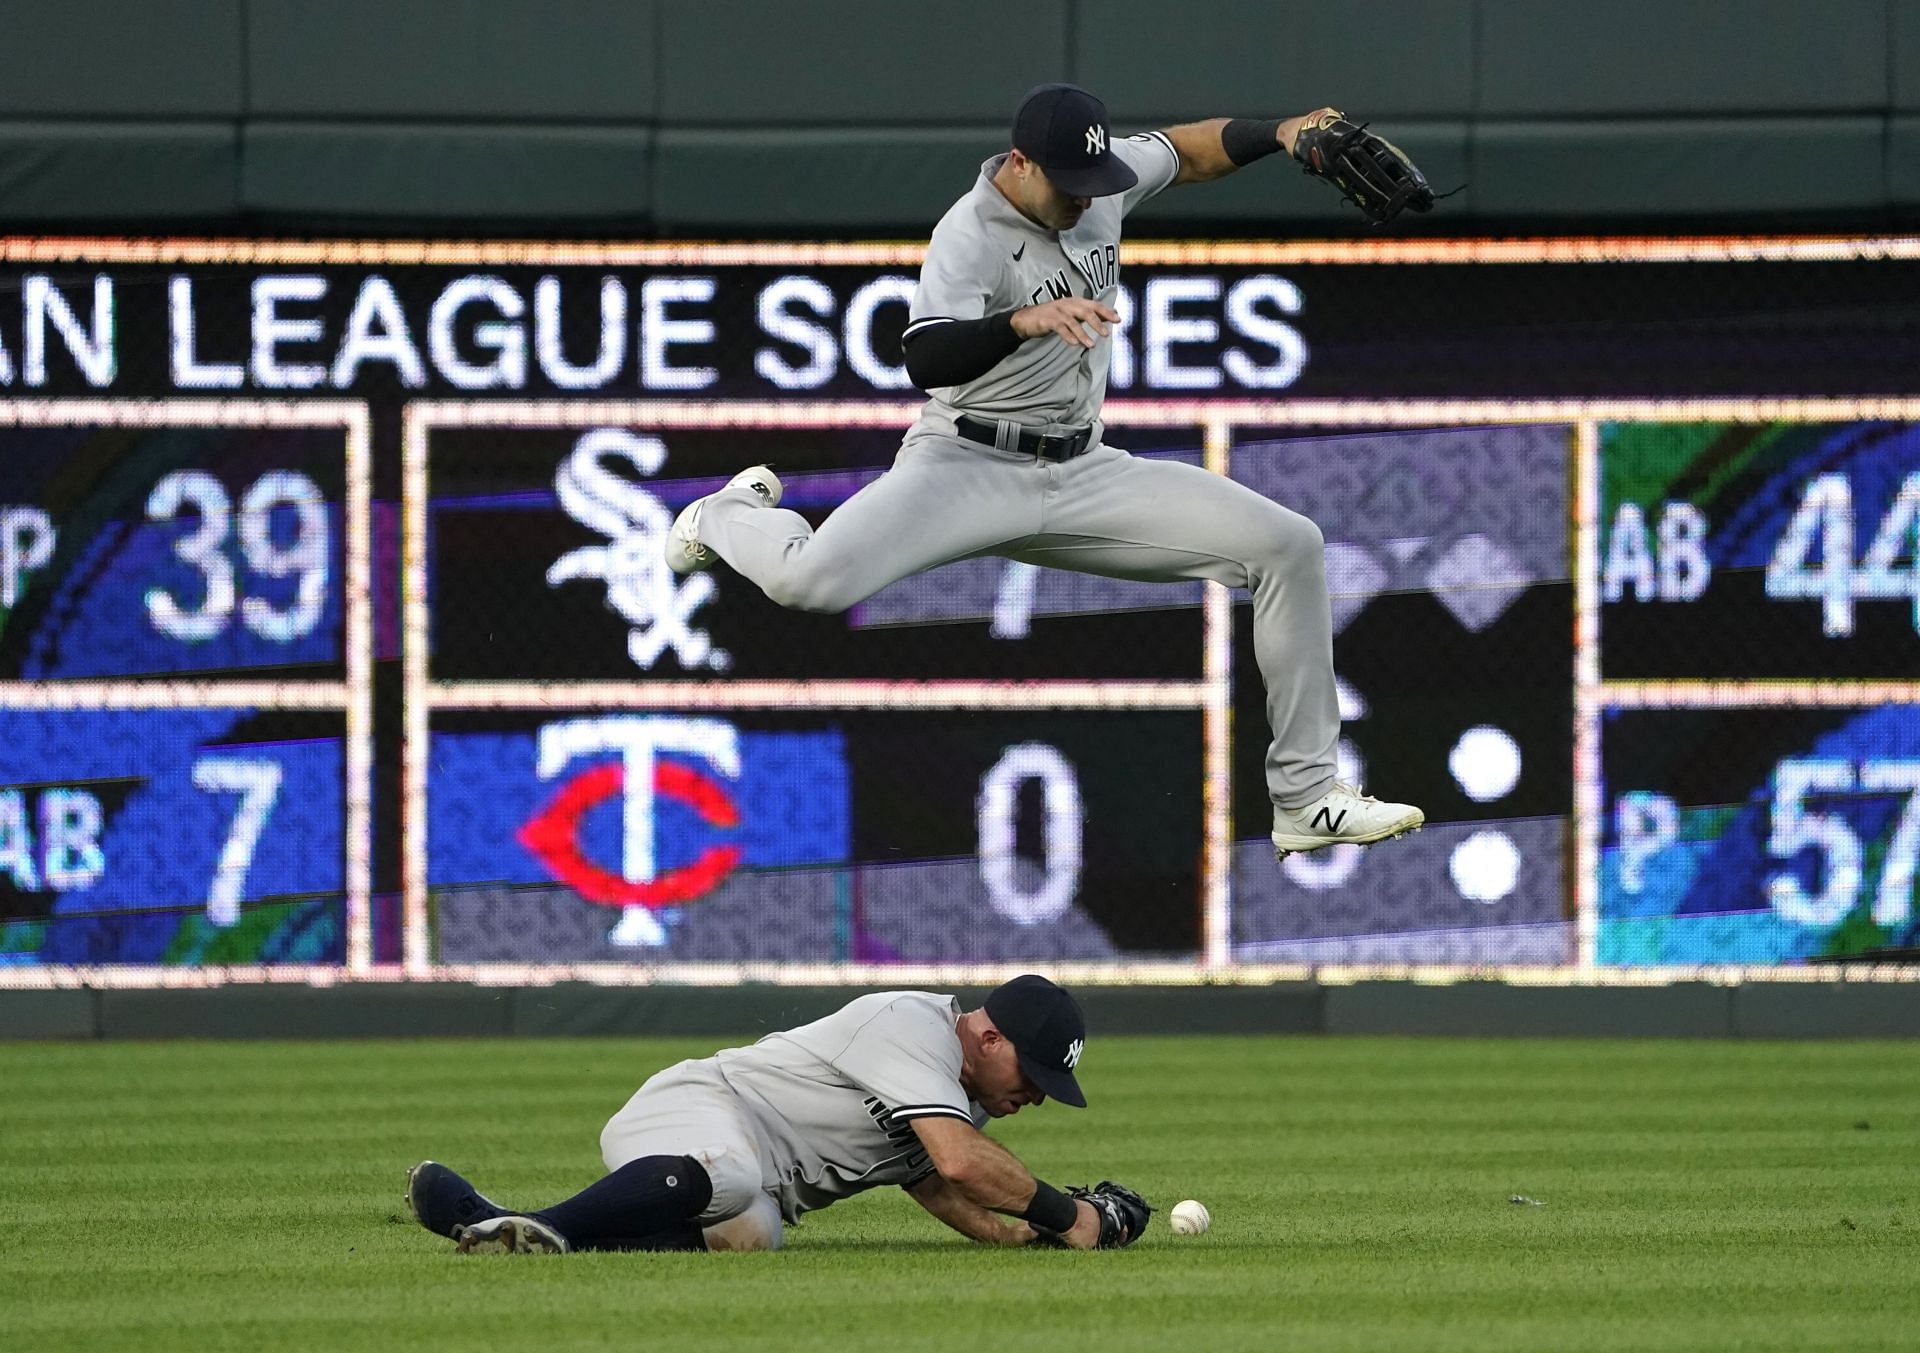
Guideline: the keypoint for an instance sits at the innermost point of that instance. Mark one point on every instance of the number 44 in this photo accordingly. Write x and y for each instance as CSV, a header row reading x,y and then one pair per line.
x,y
1825,514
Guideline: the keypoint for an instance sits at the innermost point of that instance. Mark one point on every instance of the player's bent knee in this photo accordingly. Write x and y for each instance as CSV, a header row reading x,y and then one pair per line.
x,y
1292,541
757,1228
736,1179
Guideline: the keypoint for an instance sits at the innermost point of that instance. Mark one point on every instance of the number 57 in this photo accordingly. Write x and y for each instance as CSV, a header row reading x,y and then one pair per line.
x,y
1795,829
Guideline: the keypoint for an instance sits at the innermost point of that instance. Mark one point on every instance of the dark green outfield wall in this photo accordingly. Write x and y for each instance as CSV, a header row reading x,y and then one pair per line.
x,y
671,116
1478,1009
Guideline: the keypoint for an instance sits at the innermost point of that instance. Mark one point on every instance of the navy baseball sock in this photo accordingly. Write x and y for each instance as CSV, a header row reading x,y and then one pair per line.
x,y
642,1197
688,1235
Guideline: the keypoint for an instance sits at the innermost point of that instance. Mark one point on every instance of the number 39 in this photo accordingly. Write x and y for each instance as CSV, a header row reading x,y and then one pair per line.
x,y
205,549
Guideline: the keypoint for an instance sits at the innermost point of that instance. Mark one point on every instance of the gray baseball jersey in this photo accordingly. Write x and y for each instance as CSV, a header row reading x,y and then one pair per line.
x,y
985,257
1105,512
836,1099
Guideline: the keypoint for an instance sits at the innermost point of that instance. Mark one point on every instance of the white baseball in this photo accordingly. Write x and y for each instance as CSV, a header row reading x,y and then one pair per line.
x,y
1189,1218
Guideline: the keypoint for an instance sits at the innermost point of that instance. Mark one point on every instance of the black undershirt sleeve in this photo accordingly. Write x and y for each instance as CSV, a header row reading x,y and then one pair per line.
x,y
957,351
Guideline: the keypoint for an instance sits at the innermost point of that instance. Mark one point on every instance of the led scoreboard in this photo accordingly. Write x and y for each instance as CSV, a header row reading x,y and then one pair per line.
x,y
183,679
1758,655
336,639
671,768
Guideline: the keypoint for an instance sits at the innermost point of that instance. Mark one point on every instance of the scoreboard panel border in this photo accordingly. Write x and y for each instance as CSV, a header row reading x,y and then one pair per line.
x,y
902,253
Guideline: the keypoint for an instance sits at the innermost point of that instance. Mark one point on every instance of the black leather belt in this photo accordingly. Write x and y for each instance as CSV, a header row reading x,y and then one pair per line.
x,y
1046,446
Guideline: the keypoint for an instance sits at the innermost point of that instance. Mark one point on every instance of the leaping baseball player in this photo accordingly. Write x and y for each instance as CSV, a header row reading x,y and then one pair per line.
x,y
1010,333
891,1089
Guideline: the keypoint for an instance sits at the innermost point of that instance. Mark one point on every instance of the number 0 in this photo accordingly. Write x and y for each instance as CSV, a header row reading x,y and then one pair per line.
x,y
1013,898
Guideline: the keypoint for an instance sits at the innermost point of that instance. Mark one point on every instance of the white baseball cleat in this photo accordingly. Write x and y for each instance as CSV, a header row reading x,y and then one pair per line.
x,y
1341,816
509,1235
685,553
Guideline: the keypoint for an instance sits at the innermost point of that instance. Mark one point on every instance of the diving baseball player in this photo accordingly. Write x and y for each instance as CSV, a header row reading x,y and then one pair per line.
x,y
891,1089
1010,333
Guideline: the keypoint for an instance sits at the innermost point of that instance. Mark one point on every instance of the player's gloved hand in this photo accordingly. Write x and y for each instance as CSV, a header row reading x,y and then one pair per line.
x,y
1070,317
1370,171
1120,1213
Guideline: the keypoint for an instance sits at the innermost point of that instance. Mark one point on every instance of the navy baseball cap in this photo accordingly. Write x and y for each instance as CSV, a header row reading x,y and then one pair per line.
x,y
1064,130
1046,1028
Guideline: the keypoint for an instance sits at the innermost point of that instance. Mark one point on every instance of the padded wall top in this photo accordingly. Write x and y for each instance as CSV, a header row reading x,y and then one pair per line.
x,y
583,59
1643,57
1154,62
157,58
780,63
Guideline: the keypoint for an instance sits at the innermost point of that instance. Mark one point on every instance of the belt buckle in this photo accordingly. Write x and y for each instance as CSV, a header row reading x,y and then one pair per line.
x,y
1061,445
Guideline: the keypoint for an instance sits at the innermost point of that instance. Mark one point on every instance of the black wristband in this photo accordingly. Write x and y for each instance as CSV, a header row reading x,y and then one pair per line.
x,y
1247,139
1051,1210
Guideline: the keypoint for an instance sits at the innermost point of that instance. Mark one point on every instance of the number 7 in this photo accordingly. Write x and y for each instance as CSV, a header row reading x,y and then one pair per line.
x,y
1893,904
258,785
1013,603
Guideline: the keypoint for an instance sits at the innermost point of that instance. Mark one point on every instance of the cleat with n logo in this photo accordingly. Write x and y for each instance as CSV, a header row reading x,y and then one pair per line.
x,y
1341,816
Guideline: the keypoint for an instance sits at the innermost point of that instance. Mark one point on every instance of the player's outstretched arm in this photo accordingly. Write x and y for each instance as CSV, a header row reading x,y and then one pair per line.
x,y
990,1177
1215,148
945,1201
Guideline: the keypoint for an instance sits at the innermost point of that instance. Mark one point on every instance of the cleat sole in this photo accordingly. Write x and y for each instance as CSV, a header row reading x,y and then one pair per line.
x,y
514,1235
1391,833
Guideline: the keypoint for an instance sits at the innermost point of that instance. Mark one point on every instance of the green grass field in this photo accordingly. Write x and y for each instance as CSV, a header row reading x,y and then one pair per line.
x,y
1696,1195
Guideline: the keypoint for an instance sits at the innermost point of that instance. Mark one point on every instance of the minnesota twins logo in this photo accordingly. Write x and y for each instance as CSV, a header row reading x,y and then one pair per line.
x,y
1096,140
1074,1050
640,587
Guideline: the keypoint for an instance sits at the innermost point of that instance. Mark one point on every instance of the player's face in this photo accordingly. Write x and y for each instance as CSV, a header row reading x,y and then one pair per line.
x,y
1042,201
999,1085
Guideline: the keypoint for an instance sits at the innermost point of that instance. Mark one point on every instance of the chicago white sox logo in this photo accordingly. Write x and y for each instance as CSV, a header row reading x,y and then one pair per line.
x,y
640,586
1073,1053
1096,140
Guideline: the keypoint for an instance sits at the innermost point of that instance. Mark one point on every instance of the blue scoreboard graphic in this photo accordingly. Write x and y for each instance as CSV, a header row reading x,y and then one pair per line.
x,y
635,810
155,559
1759,836
130,552
1755,573
172,836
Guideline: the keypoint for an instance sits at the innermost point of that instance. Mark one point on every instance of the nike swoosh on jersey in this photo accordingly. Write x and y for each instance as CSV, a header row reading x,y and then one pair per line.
x,y
1017,252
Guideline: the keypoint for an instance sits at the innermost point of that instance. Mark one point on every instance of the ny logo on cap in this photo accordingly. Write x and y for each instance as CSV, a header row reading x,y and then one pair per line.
x,y
1096,140
1073,1053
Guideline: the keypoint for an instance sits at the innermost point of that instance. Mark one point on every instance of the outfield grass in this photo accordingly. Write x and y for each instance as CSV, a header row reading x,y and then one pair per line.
x,y
1696,1195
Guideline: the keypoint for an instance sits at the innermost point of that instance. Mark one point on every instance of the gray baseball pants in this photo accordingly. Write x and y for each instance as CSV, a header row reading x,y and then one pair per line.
x,y
690,1110
1105,512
